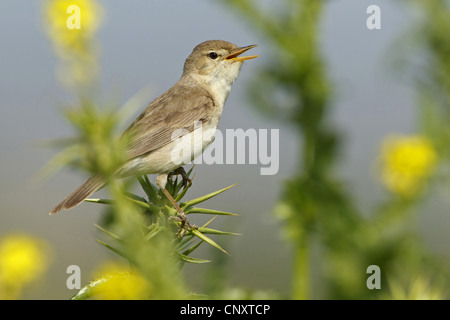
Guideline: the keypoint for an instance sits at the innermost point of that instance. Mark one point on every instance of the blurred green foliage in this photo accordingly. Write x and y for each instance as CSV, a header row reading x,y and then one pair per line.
x,y
432,74
320,215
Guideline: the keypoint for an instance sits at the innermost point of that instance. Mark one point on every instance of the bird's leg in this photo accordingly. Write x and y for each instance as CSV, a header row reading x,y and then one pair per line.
x,y
182,217
161,182
186,180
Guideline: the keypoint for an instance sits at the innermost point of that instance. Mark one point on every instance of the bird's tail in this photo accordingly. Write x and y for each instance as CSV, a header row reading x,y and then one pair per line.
x,y
85,190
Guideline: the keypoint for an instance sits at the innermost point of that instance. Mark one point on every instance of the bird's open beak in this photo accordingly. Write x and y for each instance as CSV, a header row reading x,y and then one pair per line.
x,y
235,55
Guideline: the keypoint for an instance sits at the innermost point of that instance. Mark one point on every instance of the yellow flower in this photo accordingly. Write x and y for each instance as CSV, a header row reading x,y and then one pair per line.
x,y
118,282
407,161
59,17
75,46
23,259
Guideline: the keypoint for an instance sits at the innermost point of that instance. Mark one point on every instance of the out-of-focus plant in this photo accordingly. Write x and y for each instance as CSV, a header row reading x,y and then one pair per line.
x,y
116,282
420,288
141,229
319,213
294,87
431,76
23,260
76,48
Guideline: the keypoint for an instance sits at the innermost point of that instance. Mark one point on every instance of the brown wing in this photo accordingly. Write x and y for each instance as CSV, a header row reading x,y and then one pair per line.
x,y
179,108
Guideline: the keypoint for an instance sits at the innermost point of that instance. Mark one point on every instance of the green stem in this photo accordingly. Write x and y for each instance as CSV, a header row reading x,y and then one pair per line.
x,y
301,285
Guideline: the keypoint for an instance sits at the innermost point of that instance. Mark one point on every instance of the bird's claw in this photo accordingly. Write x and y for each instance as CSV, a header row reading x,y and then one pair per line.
x,y
180,171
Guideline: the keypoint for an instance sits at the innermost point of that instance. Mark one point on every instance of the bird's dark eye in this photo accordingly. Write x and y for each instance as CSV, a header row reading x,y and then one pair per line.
x,y
213,55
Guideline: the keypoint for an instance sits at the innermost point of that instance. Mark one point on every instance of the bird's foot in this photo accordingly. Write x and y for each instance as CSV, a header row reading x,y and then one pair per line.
x,y
186,180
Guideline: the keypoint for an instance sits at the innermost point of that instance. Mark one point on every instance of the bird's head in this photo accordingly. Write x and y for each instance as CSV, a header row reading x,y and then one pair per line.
x,y
216,61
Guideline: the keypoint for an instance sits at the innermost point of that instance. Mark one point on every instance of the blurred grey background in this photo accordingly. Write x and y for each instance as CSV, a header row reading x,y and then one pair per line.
x,y
145,43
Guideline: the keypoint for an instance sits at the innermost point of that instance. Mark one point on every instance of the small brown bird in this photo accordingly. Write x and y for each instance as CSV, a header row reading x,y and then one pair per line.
x,y
198,97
